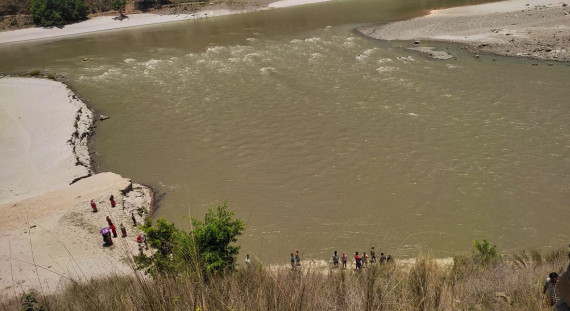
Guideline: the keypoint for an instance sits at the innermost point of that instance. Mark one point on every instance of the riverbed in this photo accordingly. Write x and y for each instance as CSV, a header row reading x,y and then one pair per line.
x,y
321,139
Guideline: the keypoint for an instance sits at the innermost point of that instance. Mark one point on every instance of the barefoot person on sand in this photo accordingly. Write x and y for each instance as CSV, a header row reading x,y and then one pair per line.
x,y
112,199
94,206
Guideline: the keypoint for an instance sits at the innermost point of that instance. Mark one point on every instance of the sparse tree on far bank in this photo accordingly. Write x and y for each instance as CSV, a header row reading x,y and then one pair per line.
x,y
119,6
58,12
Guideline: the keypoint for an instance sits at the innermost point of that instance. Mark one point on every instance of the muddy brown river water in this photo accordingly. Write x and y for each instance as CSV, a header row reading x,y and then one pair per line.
x,y
321,139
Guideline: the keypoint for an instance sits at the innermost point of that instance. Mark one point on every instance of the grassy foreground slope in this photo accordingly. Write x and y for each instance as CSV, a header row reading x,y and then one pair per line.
x,y
506,282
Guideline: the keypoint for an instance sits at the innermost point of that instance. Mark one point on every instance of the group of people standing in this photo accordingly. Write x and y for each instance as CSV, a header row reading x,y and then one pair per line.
x,y
361,261
106,232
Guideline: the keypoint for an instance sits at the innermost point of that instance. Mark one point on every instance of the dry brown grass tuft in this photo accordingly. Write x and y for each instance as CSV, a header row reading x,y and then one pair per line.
x,y
506,284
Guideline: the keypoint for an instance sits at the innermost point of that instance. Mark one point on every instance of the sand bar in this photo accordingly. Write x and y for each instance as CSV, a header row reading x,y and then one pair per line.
x,y
49,233
537,29
37,122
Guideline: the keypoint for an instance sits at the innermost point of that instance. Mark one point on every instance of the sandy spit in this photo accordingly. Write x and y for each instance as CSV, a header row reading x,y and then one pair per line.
x,y
103,23
523,28
49,233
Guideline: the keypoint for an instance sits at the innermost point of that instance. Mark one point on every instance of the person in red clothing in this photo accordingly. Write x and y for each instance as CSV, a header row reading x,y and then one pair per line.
x,y
94,206
358,261
344,259
112,199
109,221
112,227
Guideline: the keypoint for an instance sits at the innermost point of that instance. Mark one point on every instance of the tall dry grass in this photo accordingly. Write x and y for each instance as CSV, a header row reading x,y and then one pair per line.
x,y
512,283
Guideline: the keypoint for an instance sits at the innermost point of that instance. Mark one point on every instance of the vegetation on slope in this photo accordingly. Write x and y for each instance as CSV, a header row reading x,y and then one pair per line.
x,y
509,283
196,271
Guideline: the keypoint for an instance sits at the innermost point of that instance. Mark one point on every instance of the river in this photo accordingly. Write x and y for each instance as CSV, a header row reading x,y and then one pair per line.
x,y
321,139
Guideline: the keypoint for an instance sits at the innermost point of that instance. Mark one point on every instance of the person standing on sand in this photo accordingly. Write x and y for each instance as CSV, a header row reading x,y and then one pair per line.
x,y
109,241
123,230
94,206
344,259
382,258
358,261
335,260
112,199
372,255
134,219
292,261
144,241
297,258
364,260
112,227
109,221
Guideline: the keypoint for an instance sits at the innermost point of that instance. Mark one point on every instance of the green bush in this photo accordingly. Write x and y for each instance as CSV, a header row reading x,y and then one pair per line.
x,y
119,6
35,73
206,249
486,251
58,12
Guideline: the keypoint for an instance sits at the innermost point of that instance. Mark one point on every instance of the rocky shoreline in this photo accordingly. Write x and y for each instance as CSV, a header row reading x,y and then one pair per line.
x,y
537,29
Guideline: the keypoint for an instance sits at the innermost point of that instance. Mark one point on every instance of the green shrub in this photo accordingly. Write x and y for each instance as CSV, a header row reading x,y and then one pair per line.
x,y
486,251
51,76
206,249
35,73
119,6
58,12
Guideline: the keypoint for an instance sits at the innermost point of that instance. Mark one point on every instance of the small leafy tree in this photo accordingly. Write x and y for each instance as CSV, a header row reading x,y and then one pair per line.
x,y
163,238
206,249
58,12
486,251
119,6
214,238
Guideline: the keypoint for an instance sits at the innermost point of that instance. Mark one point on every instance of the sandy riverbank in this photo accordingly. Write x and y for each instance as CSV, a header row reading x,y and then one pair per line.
x,y
49,232
537,29
103,23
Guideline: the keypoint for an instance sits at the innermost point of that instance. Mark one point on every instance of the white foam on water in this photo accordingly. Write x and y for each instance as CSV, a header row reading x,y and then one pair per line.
x,y
315,56
215,49
267,70
129,60
315,39
384,60
412,114
251,57
151,64
386,69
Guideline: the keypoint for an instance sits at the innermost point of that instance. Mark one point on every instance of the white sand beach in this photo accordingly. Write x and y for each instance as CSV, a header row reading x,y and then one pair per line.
x,y
537,29
49,233
288,3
